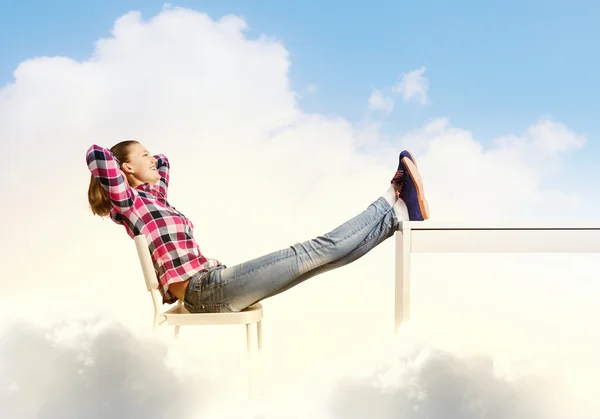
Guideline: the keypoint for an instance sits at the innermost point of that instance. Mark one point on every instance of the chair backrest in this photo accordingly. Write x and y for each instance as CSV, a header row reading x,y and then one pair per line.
x,y
141,244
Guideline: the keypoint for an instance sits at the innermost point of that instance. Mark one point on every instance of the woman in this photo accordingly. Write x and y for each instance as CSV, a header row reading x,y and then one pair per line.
x,y
131,186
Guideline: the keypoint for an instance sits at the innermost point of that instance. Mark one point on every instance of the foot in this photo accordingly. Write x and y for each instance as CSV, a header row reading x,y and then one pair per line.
x,y
411,190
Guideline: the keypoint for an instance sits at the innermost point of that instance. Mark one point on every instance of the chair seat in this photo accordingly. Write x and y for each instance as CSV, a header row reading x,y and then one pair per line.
x,y
179,316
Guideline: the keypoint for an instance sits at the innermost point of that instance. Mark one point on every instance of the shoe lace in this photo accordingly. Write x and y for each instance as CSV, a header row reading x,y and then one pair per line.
x,y
398,179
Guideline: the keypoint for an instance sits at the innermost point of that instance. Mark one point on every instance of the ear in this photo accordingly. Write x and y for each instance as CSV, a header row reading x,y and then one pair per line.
x,y
126,167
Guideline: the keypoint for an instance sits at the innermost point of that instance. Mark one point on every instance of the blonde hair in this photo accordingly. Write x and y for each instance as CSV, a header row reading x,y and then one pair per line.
x,y
98,198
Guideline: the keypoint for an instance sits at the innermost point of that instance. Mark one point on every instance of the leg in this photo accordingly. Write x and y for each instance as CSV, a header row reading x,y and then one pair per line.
x,y
259,335
259,365
237,287
248,339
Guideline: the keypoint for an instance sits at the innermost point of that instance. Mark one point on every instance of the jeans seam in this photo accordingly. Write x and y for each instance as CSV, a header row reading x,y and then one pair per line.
x,y
383,226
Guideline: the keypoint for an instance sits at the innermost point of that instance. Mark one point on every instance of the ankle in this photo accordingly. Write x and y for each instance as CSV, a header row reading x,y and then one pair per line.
x,y
391,195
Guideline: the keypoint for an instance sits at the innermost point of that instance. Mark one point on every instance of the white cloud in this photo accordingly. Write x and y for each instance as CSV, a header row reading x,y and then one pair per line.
x,y
507,181
413,86
439,385
252,170
312,88
379,102
545,138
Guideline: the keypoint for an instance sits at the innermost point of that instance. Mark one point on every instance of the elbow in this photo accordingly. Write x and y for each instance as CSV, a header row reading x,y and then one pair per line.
x,y
93,148
91,153
162,159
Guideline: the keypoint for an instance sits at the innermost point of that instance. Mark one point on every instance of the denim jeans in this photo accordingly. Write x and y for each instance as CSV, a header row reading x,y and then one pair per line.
x,y
225,289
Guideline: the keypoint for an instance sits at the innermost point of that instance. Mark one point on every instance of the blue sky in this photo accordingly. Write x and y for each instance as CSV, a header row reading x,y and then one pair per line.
x,y
494,66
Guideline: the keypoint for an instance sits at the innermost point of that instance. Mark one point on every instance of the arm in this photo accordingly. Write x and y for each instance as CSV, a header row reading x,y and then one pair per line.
x,y
162,165
107,169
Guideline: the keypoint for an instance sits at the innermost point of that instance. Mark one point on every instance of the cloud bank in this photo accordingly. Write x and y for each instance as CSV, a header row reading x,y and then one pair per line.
x,y
512,180
101,370
439,385
85,371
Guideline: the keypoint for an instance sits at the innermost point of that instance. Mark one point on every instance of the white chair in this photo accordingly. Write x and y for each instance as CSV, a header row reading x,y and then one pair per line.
x,y
179,316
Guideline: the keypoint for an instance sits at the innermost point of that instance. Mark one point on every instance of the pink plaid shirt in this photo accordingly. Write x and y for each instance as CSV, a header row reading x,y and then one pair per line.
x,y
145,210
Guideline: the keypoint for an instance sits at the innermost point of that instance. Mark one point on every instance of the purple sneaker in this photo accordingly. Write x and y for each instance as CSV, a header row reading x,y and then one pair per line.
x,y
412,192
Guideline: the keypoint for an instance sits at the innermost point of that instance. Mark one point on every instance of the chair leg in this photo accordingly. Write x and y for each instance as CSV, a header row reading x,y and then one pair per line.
x,y
176,332
259,376
254,376
259,335
248,339
250,363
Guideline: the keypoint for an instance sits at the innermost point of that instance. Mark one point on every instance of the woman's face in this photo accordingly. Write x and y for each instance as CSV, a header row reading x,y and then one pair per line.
x,y
141,167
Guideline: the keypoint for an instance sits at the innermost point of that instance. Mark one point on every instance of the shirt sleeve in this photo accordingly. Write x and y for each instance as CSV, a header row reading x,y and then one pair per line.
x,y
106,168
162,165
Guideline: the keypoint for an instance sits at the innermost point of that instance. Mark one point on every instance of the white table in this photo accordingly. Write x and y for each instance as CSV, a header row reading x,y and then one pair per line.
x,y
431,237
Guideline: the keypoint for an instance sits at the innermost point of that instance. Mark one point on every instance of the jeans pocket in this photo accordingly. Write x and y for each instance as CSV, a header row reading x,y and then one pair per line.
x,y
206,294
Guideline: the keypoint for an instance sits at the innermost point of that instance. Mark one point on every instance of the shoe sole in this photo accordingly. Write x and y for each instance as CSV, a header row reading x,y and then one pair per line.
x,y
414,174
411,157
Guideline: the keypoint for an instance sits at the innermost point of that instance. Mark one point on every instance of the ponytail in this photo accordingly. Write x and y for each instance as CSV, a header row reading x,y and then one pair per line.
x,y
98,198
